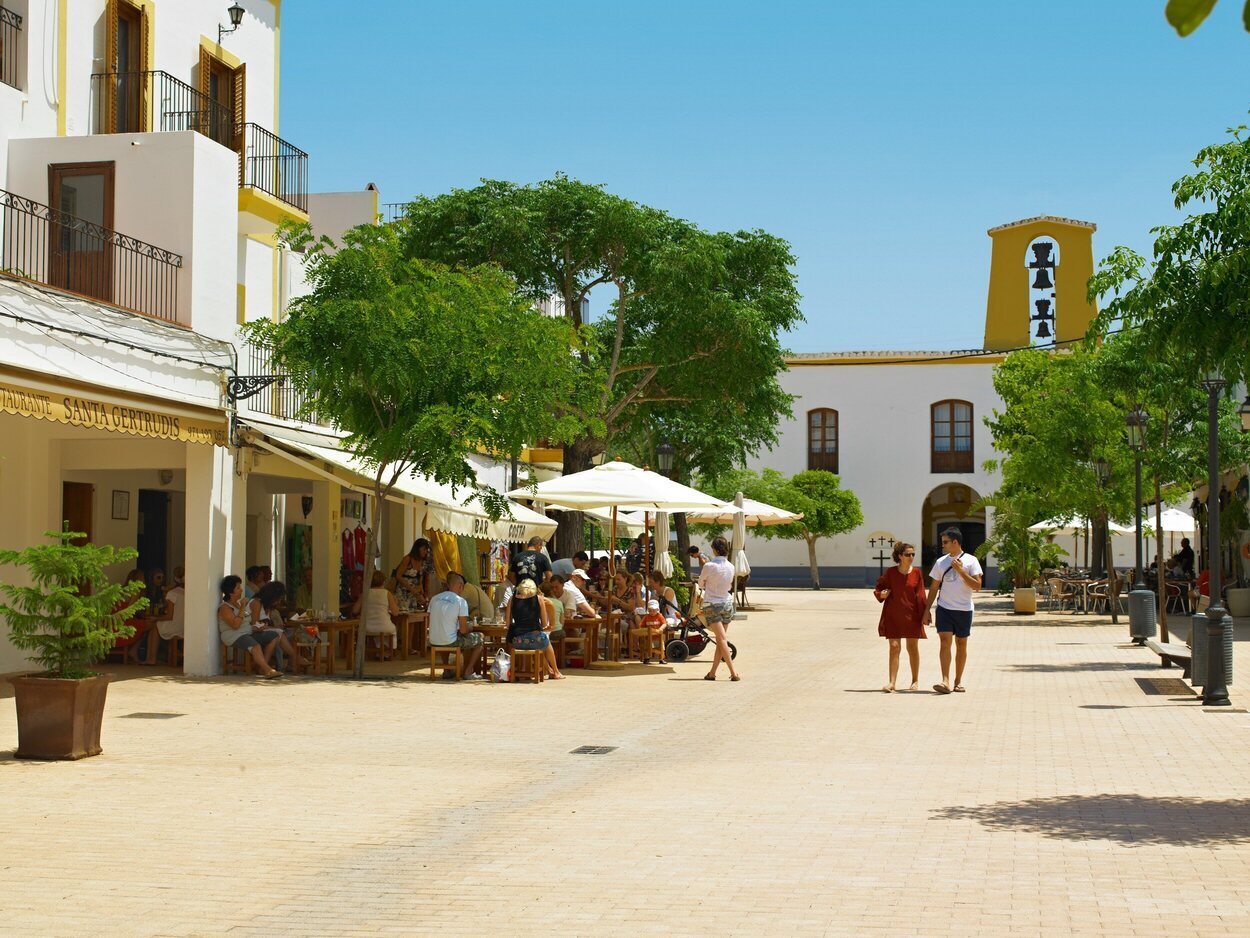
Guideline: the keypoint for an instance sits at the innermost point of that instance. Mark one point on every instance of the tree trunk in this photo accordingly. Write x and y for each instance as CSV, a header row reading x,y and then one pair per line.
x,y
1113,580
1098,549
682,530
811,559
570,533
1160,579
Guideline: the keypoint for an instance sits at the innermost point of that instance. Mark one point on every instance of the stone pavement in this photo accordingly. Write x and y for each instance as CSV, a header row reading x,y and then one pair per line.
x,y
1056,797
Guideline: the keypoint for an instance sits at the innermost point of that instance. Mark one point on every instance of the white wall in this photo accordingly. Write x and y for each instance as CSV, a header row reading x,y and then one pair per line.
x,y
332,213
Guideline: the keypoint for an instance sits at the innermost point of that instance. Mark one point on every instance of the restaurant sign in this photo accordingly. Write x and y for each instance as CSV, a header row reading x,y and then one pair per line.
x,y
80,410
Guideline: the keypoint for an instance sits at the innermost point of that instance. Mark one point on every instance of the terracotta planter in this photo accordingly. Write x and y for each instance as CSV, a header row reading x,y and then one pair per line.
x,y
59,718
1025,601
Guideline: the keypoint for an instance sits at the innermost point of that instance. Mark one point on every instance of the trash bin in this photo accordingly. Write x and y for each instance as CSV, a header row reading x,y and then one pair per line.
x,y
1141,616
1198,646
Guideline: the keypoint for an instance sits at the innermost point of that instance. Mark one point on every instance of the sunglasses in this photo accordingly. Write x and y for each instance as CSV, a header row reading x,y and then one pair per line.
x,y
909,553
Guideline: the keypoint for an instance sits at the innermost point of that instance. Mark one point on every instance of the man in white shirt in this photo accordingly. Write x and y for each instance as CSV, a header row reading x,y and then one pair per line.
x,y
449,626
956,577
575,596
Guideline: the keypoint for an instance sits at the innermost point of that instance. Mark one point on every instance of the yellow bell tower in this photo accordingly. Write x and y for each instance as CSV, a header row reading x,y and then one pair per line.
x,y
1039,273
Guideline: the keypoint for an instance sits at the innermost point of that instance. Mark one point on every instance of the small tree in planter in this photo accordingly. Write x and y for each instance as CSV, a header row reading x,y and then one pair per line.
x,y
68,619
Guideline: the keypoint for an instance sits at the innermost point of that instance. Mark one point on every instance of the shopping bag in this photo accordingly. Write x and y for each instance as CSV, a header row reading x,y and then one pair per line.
x,y
501,667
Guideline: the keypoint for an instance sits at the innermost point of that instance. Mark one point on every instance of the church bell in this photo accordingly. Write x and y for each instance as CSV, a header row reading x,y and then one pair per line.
x,y
1043,329
1041,254
1042,280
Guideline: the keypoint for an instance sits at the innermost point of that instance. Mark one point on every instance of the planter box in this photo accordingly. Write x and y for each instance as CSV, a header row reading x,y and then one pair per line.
x,y
1025,601
1238,603
59,718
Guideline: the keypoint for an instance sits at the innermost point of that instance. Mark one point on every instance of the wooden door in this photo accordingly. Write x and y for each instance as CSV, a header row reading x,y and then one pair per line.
x,y
127,58
77,508
81,249
223,91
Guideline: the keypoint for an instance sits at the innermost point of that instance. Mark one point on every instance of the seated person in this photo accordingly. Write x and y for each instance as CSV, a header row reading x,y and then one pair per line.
x,y
1184,558
665,595
172,622
503,590
480,606
123,645
235,627
375,607
575,595
253,581
652,621
449,626
528,624
265,615
550,594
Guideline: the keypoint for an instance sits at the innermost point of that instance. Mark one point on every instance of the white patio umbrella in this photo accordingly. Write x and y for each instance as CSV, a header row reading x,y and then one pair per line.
x,y
754,514
663,562
618,485
742,567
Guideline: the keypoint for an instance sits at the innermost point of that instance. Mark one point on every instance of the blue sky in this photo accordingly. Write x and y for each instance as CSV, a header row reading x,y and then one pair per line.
x,y
880,139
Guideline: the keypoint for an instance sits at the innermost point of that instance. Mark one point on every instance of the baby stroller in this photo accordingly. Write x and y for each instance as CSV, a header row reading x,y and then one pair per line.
x,y
689,637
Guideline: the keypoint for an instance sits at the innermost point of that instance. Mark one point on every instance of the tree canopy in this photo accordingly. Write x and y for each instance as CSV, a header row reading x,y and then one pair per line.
x,y
1187,15
692,310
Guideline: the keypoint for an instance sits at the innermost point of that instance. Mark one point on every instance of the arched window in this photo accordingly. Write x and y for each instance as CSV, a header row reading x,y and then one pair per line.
x,y
822,439
951,449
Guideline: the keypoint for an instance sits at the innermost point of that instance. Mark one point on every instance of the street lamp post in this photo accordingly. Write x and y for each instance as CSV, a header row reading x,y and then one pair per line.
x,y
1136,423
1215,692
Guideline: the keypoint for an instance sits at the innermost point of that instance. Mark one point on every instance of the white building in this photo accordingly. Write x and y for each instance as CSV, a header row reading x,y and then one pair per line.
x,y
906,431
142,181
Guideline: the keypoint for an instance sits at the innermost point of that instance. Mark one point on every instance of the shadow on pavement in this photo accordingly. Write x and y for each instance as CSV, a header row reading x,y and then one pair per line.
x,y
1132,820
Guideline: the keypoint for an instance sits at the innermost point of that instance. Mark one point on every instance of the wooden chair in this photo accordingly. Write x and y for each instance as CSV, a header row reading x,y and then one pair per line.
x,y
230,659
528,662
570,645
386,642
174,651
645,643
446,656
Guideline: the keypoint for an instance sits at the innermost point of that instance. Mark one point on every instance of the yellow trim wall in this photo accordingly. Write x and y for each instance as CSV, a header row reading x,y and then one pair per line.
x,y
277,50
264,206
225,57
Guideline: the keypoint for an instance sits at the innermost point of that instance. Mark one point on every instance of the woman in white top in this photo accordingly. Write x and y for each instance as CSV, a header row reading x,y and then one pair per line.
x,y
716,579
235,626
376,606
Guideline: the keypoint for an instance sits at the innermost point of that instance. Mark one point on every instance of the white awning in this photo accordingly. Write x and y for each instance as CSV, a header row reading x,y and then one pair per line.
x,y
454,511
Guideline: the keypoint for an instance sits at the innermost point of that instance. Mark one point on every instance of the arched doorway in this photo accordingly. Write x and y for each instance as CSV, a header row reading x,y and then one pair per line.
x,y
950,504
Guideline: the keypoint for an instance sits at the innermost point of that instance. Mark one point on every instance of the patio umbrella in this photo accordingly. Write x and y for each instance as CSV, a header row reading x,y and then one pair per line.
x,y
663,562
754,514
742,566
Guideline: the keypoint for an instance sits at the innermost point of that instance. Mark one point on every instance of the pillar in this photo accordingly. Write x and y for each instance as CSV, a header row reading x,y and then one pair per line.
x,y
215,535
327,548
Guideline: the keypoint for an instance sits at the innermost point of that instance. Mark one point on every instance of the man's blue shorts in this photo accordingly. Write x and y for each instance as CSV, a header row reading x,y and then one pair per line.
x,y
958,621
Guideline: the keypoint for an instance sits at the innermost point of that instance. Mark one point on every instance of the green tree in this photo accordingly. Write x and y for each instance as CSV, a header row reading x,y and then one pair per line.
x,y
1187,15
691,309
417,363
828,509
71,614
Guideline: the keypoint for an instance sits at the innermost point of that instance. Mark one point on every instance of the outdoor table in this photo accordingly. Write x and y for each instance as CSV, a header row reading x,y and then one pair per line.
x,y
411,633
590,625
336,629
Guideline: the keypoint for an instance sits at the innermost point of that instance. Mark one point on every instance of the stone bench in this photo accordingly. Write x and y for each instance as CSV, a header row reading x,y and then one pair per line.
x,y
1172,654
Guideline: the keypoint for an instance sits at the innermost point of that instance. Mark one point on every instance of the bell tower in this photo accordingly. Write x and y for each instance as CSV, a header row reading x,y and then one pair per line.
x,y
1039,273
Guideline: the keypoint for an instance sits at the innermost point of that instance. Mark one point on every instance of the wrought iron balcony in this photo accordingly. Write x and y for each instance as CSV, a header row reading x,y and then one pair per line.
x,y
10,47
270,164
48,246
279,399
154,102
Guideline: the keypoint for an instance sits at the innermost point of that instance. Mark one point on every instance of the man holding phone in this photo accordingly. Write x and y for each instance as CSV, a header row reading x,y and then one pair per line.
x,y
956,577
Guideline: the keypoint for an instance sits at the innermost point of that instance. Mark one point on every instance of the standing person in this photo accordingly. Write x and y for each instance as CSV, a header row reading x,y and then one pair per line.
x,y
531,563
449,626
716,579
412,576
900,590
566,566
956,577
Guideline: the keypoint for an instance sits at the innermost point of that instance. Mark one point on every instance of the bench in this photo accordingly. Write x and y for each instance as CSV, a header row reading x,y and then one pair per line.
x,y
1172,654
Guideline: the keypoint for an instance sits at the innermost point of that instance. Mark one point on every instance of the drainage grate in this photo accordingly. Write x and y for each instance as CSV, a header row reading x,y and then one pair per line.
x,y
152,716
1164,686
592,750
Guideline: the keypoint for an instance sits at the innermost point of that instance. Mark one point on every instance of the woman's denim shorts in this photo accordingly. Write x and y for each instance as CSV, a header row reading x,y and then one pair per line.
x,y
532,640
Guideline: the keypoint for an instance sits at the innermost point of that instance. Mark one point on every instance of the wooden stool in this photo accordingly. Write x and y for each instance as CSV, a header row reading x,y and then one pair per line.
x,y
386,642
174,651
528,662
570,644
230,662
643,642
449,656
318,653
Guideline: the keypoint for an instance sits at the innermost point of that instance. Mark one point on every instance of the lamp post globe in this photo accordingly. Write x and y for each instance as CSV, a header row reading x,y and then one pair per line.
x,y
664,458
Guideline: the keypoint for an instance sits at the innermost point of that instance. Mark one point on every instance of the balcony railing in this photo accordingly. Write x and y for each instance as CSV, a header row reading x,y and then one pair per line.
x,y
44,245
144,102
272,165
277,400
393,210
10,47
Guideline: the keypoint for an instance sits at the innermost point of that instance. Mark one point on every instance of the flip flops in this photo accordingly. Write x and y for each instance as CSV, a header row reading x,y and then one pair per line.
x,y
941,688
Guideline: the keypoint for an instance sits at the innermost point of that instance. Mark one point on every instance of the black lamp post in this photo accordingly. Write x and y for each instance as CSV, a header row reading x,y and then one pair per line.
x,y
235,12
1136,424
1215,692
664,458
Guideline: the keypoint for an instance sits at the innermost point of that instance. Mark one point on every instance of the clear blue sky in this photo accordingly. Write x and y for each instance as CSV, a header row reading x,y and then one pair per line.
x,y
880,139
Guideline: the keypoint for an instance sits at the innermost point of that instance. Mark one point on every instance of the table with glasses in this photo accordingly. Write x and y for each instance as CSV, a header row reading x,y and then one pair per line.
x,y
412,630
334,632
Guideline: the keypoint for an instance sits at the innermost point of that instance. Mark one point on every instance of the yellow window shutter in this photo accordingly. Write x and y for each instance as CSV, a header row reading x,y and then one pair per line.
x,y
110,84
145,35
238,98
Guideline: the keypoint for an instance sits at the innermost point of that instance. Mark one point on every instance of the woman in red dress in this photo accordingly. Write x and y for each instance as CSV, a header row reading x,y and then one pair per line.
x,y
902,595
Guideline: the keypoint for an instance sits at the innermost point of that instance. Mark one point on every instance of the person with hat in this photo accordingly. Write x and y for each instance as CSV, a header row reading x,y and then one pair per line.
x,y
575,590
653,623
529,621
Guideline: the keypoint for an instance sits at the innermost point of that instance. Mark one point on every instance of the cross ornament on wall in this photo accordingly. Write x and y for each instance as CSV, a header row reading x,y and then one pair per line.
x,y
881,558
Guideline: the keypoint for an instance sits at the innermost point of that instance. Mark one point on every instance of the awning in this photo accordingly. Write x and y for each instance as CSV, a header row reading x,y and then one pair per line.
x,y
452,511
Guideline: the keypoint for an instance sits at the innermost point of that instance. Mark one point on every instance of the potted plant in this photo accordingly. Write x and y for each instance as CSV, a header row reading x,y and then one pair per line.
x,y
1021,553
68,618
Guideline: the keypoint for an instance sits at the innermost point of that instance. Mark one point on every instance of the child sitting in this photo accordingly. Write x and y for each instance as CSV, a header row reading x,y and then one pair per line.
x,y
653,622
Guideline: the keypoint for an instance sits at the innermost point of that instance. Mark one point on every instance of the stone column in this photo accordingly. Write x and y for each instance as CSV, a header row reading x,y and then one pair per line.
x,y
327,548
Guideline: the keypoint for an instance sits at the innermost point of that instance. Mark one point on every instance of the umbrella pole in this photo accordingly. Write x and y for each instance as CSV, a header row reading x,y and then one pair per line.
x,y
646,543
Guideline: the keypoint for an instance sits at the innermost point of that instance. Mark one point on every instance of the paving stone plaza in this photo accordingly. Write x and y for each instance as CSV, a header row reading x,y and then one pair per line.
x,y
1072,790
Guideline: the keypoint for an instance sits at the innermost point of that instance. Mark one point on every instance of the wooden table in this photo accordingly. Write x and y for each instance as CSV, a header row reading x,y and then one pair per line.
x,y
336,629
406,624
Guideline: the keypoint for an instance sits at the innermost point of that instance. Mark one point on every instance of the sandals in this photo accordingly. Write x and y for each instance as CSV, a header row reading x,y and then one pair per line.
x,y
271,674
736,677
941,688
709,677
960,689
